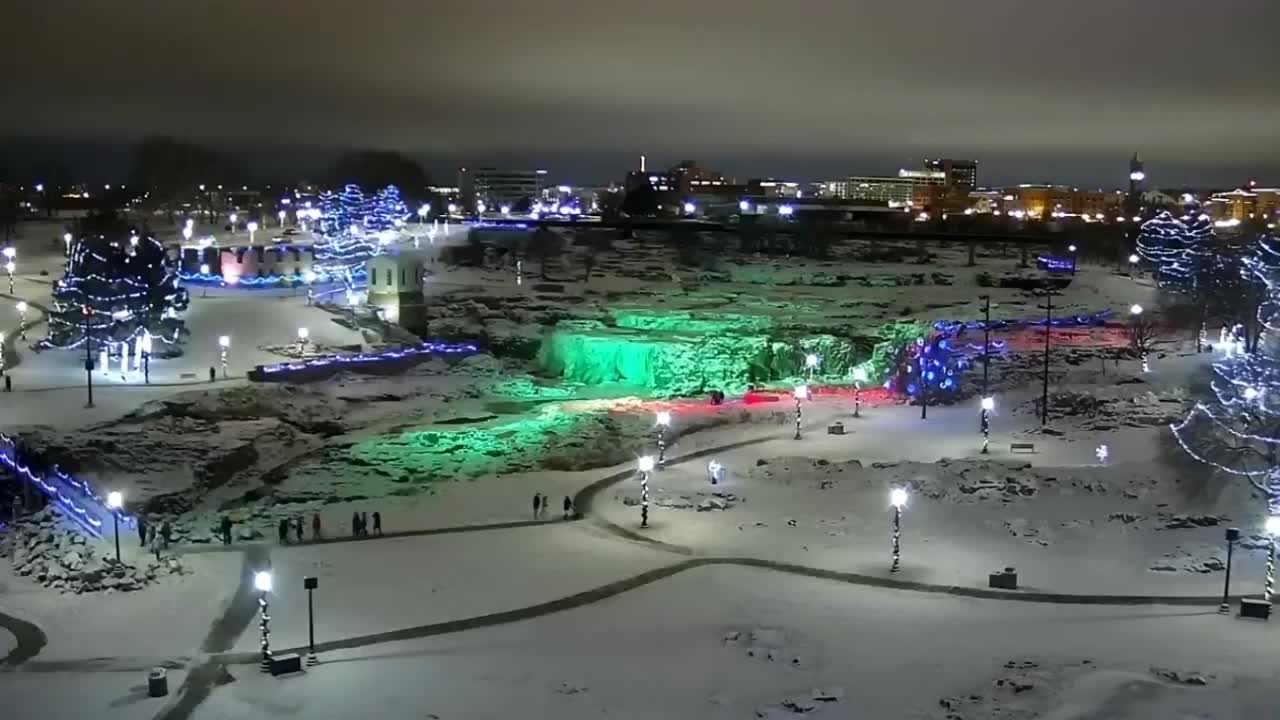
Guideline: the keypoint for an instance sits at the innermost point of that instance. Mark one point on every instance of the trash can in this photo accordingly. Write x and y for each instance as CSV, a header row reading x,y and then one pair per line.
x,y
158,682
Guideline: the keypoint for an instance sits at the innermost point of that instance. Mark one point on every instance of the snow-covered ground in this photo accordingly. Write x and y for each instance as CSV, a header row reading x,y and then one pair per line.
x,y
708,640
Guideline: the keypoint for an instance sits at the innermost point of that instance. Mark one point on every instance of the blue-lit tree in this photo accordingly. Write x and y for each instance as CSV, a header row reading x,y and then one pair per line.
x,y
344,244
386,211
118,286
1160,242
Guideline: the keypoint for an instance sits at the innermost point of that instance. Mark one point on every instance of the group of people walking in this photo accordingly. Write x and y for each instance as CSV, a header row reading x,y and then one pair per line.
x,y
541,503
150,539
360,524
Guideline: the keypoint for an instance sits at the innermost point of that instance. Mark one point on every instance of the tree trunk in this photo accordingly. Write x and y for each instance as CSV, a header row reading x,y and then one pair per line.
x,y
972,251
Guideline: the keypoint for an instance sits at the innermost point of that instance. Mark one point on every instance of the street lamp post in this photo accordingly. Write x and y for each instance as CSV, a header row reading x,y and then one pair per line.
x,y
988,404
1135,311
146,358
311,583
281,217
114,501
252,227
1073,250
801,393
898,499
859,377
1133,264
234,218
1273,528
303,334
713,471
224,344
9,254
811,364
1048,326
645,465
22,319
204,277
1233,534
66,239
664,419
262,583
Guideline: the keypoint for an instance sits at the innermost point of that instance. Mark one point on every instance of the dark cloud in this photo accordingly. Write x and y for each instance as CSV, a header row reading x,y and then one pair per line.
x,y
1034,89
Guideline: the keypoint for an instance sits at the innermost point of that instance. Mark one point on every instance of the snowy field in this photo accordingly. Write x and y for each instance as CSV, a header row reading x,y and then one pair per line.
x,y
598,616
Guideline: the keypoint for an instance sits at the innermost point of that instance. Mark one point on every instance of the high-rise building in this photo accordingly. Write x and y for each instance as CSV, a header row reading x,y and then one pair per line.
x,y
960,174
905,189
495,187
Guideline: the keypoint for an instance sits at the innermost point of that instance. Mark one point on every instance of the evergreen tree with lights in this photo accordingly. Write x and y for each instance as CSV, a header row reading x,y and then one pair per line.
x,y
386,212
119,285
1161,243
344,244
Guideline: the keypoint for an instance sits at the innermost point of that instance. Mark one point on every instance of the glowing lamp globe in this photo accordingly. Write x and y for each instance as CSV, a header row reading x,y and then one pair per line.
x,y
308,277
204,269
802,392
743,205
1071,248
186,235
811,360
303,333
115,500
1273,525
898,497
22,306
689,208
1137,176
786,210
1133,259
224,341
1135,309
252,227
453,208
860,375
505,209
10,252
262,581
234,217
645,463
422,211
988,403
664,418
67,238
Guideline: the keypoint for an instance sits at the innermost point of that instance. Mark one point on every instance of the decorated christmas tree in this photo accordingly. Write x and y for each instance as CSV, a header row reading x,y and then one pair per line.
x,y
386,212
120,285
344,243
1160,242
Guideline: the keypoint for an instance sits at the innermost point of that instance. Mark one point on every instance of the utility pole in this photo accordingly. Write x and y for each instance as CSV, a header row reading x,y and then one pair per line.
x,y
1048,323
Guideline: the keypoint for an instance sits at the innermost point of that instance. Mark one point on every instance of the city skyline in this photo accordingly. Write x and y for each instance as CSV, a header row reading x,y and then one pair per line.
x,y
753,89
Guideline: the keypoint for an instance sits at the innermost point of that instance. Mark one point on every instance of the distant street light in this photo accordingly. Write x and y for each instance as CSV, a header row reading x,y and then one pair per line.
x,y
22,319
786,210
422,213
115,500
801,393
898,499
234,218
744,206
663,420
186,235
988,404
714,471
224,344
811,364
1072,249
645,465
262,583
252,227
303,334
859,377
282,215
453,208
66,239
204,275
689,208
10,253
505,209
1135,311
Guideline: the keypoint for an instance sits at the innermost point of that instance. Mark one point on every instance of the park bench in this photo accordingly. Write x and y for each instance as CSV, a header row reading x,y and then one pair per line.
x,y
1022,447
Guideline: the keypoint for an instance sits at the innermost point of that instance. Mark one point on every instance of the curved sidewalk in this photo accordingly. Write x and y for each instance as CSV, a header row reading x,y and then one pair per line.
x,y
30,638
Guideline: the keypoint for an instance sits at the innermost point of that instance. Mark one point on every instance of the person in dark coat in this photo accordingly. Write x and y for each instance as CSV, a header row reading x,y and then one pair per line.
x,y
166,534
297,528
142,531
283,530
355,524
226,530
315,526
568,507
364,524
377,523
537,504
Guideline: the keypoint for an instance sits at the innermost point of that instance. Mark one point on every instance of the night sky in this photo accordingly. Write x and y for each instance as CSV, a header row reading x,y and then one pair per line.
x,y
1061,91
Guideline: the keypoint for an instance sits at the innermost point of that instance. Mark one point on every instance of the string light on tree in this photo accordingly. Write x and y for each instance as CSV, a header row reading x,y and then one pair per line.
x,y
663,420
897,499
645,465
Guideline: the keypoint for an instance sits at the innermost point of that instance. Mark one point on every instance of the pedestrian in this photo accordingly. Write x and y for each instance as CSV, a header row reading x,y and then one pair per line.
x,y
155,543
297,528
151,536
377,523
364,524
166,534
226,530
212,374
355,524
8,383
315,526
537,504
142,531
282,529
568,506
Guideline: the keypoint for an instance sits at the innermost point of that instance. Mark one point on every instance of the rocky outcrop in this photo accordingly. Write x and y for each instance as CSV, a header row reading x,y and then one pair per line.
x,y
40,548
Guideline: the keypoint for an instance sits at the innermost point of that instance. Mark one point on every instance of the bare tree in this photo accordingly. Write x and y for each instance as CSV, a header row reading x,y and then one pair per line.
x,y
1144,333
